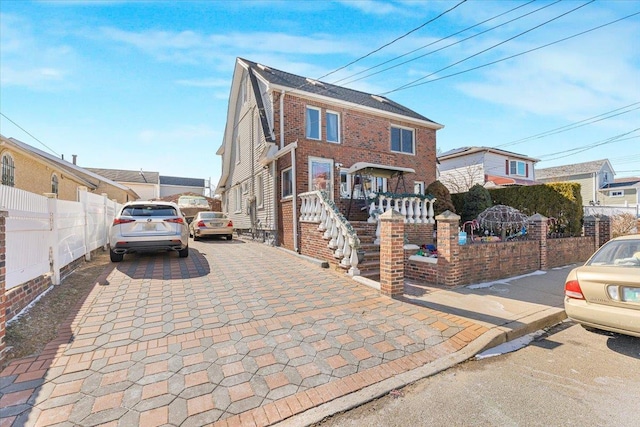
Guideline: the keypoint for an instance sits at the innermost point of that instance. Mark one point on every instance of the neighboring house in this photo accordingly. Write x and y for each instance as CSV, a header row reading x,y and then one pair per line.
x,y
462,168
622,192
30,169
286,135
592,176
170,185
145,183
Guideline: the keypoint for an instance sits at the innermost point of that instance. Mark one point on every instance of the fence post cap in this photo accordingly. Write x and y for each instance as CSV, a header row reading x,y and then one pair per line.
x,y
448,216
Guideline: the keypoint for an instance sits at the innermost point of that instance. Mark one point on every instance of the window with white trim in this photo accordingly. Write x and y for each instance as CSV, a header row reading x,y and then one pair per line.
x,y
238,199
333,127
287,183
402,140
260,191
54,184
517,168
418,187
313,123
616,193
8,170
321,175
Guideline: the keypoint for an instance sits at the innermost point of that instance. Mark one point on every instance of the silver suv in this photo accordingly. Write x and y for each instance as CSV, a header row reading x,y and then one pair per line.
x,y
144,226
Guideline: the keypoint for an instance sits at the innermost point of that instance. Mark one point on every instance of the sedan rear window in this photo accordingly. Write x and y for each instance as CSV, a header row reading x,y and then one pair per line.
x,y
149,210
212,215
624,253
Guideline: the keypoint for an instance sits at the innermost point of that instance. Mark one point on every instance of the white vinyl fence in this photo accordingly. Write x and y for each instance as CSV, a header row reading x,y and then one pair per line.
x,y
45,234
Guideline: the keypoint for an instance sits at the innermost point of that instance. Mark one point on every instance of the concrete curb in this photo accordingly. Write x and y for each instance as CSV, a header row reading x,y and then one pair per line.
x,y
489,339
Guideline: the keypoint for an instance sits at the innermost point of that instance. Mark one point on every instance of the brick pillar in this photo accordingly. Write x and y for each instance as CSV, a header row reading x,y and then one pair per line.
x,y
449,268
3,272
591,229
539,230
604,230
391,253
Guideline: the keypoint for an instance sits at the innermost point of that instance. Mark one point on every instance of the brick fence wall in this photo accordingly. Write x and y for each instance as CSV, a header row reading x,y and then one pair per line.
x,y
3,272
569,250
476,263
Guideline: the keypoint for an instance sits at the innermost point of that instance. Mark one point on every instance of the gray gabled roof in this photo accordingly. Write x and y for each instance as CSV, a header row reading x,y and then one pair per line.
x,y
84,175
572,170
302,84
181,181
123,175
628,182
463,151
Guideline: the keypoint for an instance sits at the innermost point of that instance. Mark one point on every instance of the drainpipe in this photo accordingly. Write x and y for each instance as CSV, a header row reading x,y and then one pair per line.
x,y
253,214
276,177
282,120
295,200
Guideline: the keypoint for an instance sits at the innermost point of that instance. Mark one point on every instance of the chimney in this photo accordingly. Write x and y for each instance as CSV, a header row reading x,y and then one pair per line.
x,y
63,157
75,156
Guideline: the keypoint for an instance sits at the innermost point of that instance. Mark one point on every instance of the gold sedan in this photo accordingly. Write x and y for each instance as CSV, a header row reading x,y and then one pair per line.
x,y
604,293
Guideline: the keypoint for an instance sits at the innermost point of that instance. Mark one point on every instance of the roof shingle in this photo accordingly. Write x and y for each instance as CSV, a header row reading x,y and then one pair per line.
x,y
299,83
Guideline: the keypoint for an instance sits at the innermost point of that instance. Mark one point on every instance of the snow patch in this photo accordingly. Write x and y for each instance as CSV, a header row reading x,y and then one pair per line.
x,y
28,307
510,346
505,281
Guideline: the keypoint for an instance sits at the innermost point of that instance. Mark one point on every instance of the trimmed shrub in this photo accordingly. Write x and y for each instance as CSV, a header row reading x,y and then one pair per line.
x,y
443,197
476,201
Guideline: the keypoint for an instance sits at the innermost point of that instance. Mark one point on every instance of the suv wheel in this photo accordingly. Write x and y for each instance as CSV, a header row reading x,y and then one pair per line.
x,y
183,253
115,257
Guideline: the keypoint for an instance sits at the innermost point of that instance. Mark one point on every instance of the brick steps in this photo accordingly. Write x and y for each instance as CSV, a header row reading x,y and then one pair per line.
x,y
370,266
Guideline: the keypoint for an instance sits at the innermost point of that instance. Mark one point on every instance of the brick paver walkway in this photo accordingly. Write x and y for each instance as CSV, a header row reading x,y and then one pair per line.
x,y
235,334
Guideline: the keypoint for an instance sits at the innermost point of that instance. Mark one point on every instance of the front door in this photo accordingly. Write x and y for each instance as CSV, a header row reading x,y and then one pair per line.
x,y
321,175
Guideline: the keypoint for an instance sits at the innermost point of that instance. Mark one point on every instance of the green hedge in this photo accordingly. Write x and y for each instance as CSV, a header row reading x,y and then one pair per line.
x,y
555,200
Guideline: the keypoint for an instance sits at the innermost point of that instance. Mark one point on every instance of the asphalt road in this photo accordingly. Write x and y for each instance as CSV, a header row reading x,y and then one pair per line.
x,y
569,377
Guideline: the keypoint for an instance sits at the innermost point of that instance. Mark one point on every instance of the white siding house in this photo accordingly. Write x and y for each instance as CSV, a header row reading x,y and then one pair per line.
x,y
462,168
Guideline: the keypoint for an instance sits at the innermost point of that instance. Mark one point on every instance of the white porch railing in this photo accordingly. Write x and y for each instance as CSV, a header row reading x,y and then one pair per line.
x,y
416,209
318,208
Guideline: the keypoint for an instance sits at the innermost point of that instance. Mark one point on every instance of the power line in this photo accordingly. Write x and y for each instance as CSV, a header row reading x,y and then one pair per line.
x,y
392,41
414,82
28,133
573,151
572,126
513,56
447,46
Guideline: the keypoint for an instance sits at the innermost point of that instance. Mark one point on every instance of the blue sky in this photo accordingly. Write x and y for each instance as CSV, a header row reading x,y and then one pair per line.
x,y
145,85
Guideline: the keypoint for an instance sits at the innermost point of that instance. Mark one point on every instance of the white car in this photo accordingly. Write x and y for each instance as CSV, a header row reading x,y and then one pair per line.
x,y
144,226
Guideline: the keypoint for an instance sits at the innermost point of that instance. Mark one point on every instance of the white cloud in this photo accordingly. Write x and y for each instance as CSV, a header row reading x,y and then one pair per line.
x,y
191,47
372,7
564,80
178,135
29,62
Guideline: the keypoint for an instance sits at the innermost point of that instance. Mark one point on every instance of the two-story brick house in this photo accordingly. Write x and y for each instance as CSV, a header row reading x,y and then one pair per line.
x,y
286,134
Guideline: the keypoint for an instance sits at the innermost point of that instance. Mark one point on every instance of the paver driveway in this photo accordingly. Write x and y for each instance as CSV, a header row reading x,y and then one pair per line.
x,y
236,334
